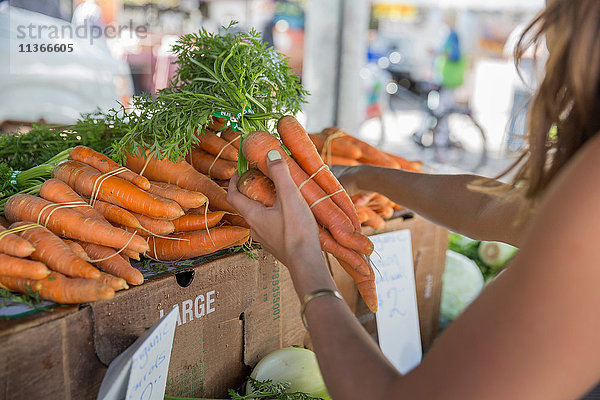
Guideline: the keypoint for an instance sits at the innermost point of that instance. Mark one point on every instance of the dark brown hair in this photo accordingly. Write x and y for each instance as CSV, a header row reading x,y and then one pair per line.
x,y
565,109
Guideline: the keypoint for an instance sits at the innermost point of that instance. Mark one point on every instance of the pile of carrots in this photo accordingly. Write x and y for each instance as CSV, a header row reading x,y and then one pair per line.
x,y
374,208
74,243
337,147
339,226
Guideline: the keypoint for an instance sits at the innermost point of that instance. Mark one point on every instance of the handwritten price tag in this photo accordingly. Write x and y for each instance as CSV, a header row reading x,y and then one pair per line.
x,y
397,314
140,372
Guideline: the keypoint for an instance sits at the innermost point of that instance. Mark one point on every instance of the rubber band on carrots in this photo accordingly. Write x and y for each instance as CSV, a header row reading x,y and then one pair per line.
x,y
116,252
326,151
219,155
325,198
58,206
18,229
101,179
312,176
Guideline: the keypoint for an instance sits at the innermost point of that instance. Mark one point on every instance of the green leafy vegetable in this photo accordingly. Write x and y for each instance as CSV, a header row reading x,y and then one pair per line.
x,y
232,75
29,181
266,390
22,151
30,299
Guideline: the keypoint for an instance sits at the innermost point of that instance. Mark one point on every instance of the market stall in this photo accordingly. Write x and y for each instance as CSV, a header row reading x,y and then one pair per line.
x,y
110,223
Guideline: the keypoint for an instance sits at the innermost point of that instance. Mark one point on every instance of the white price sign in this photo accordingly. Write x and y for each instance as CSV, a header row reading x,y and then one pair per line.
x,y
397,314
140,372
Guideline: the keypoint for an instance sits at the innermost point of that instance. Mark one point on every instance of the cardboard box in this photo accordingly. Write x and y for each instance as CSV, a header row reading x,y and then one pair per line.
x,y
429,244
233,311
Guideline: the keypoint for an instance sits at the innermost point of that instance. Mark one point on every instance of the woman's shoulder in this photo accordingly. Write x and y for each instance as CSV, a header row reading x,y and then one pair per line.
x,y
570,206
582,171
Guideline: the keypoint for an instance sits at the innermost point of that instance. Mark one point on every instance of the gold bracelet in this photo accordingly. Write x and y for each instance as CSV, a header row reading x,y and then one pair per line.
x,y
313,295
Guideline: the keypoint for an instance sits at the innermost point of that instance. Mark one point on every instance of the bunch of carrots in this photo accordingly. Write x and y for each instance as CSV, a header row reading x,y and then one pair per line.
x,y
337,147
74,243
339,226
374,208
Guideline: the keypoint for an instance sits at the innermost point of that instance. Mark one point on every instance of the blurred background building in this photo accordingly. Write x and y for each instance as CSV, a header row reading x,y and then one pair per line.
x,y
358,58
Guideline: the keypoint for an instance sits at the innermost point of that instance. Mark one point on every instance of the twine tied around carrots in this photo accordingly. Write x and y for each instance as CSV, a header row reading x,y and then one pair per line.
x,y
326,152
219,154
18,229
101,179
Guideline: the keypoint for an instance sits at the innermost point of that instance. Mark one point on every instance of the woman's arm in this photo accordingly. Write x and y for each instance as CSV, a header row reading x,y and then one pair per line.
x,y
532,333
443,199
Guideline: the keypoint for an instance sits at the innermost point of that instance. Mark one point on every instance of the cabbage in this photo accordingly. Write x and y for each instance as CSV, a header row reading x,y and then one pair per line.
x,y
295,365
462,282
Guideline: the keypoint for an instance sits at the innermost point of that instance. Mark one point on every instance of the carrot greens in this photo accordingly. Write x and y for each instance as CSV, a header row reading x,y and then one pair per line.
x,y
232,76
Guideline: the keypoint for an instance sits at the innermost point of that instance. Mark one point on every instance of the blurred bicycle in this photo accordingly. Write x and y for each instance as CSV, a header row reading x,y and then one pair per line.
x,y
451,133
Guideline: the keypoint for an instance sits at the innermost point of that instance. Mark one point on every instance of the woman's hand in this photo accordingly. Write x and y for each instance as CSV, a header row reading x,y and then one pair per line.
x,y
288,229
348,177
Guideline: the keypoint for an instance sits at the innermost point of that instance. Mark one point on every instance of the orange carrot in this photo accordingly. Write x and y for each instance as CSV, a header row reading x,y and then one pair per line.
x,y
298,143
104,164
256,186
22,268
209,165
362,198
380,162
115,190
68,223
340,146
337,160
188,223
77,249
385,212
196,211
3,222
224,183
185,198
130,254
231,136
13,245
213,144
183,175
196,243
155,226
255,147
116,215
353,259
364,284
378,201
374,220
403,163
61,289
114,265
396,206
112,281
363,215
57,191
56,254
236,220
370,154
140,232
22,285
217,123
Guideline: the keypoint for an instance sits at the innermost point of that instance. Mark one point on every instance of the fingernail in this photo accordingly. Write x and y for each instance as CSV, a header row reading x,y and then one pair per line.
x,y
273,155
